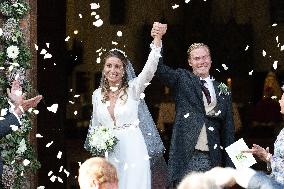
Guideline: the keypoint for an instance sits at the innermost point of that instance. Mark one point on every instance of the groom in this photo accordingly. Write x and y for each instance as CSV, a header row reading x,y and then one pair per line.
x,y
203,125
20,105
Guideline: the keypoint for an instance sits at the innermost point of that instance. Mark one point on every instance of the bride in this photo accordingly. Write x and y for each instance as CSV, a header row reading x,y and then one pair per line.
x,y
117,104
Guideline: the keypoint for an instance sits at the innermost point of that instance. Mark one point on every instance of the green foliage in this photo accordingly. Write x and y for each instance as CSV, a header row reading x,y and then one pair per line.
x,y
15,146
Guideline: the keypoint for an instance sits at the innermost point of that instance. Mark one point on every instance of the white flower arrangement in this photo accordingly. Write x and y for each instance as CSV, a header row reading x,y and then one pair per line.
x,y
101,140
13,52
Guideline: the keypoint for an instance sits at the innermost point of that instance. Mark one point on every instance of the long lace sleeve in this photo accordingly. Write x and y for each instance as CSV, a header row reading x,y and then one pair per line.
x,y
139,83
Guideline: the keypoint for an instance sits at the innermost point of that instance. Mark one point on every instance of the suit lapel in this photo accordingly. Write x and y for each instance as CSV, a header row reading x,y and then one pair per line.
x,y
197,86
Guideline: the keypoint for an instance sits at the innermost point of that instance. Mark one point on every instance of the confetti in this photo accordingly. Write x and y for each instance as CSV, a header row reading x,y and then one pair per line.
x,y
47,55
225,66
41,187
186,1
276,39
114,43
76,96
36,47
97,17
282,48
250,73
215,146
52,179
119,33
67,38
275,64
66,172
43,51
75,112
93,13
98,23
59,155
53,108
47,45
175,6
95,5
186,115
49,173
71,102
218,113
59,180
273,25
218,70
76,32
263,53
36,112
246,48
210,128
60,169
273,97
98,60
49,144
39,135
80,16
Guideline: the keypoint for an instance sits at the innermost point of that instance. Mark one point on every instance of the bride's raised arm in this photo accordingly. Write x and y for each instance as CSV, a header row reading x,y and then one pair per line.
x,y
140,83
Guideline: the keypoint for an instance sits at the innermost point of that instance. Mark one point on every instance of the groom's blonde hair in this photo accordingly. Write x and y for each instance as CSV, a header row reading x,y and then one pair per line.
x,y
96,169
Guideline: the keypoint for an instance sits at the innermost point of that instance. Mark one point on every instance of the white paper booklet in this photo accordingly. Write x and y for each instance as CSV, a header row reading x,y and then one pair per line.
x,y
240,160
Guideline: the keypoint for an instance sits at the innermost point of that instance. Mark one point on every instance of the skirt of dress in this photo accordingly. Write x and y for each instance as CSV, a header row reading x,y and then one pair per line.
x,y
131,159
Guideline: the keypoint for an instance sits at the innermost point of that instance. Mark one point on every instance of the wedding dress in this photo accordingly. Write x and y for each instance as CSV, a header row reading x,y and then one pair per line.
x,y
130,155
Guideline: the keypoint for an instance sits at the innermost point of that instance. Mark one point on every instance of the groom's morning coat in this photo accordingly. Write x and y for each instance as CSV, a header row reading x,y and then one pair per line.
x,y
186,129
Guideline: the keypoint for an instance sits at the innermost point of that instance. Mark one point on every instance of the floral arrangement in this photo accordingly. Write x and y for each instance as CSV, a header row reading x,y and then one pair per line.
x,y
100,141
223,89
18,155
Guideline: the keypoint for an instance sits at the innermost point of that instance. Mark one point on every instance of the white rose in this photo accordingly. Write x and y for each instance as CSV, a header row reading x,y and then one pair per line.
x,y
13,51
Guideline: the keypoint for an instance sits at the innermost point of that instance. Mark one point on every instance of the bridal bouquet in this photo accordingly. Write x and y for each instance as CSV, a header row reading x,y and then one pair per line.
x,y
101,140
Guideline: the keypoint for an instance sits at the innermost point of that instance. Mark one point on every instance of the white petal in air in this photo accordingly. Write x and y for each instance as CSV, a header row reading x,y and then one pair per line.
x,y
36,47
263,53
43,51
14,127
225,66
40,187
75,32
276,39
216,114
26,162
282,48
59,180
60,169
246,48
274,97
47,45
53,108
218,70
39,135
52,179
215,146
49,173
98,60
36,112
98,23
210,128
67,38
186,115
76,96
250,73
59,154
275,64
187,1
80,16
93,13
275,24
95,5
75,112
47,55
114,43
175,6
97,17
66,172
119,33
49,144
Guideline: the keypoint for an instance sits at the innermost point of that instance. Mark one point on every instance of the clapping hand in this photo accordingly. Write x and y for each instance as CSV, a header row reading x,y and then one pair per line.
x,y
258,151
18,99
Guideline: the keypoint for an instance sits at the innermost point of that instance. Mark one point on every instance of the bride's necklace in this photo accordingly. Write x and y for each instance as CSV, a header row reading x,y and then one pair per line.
x,y
114,92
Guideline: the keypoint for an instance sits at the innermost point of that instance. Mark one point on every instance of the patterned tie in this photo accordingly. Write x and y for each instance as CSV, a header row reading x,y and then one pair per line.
x,y
206,91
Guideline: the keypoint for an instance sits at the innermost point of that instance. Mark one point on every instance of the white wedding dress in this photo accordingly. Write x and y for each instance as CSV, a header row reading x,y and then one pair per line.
x,y
130,155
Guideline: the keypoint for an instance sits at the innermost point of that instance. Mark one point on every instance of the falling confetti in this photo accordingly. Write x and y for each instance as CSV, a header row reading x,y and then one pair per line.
x,y
282,48
119,33
75,112
47,55
210,128
49,144
47,45
36,112
49,173
39,135
67,38
95,5
80,16
276,39
273,25
186,115
59,180
263,53
66,172
114,43
76,96
76,32
218,70
187,1
273,97
98,23
52,179
218,113
275,64
41,187
225,66
97,17
43,51
59,155
14,127
250,73
93,13
175,6
36,47
53,108
246,48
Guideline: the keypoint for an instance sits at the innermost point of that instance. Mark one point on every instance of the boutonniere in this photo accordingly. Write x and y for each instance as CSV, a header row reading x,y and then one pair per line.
x,y
223,89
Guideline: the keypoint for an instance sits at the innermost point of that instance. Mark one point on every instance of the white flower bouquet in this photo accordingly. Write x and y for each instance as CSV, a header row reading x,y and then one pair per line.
x,y
101,140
